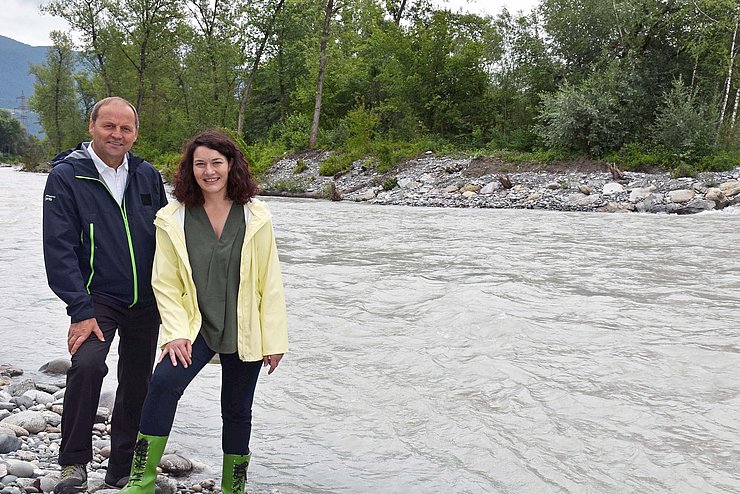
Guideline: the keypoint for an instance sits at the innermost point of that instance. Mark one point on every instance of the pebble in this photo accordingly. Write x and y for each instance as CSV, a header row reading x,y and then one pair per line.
x,y
464,182
30,442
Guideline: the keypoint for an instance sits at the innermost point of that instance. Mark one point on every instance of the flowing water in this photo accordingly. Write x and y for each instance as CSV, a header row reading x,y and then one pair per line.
x,y
464,351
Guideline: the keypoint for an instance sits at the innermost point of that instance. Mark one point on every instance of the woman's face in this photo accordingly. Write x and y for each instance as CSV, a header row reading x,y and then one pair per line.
x,y
211,170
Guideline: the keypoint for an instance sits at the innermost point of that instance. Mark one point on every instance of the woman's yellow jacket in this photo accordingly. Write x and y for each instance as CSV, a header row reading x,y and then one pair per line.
x,y
261,316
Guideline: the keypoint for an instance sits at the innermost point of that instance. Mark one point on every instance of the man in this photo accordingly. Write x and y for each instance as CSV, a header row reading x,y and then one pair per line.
x,y
99,207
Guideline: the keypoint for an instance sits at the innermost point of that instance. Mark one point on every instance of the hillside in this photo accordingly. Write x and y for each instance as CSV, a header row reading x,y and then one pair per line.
x,y
15,79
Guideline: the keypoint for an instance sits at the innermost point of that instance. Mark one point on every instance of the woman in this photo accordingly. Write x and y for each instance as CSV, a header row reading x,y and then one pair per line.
x,y
218,287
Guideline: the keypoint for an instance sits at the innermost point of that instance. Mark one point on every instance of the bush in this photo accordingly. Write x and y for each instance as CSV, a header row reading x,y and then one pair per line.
x,y
339,162
682,125
262,155
721,161
639,156
293,133
167,164
390,183
300,167
285,185
684,170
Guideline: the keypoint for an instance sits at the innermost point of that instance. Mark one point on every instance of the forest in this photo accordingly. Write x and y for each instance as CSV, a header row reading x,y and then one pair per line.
x,y
646,84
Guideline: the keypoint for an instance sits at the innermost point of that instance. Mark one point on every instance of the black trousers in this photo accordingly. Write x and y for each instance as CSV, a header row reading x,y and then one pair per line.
x,y
138,330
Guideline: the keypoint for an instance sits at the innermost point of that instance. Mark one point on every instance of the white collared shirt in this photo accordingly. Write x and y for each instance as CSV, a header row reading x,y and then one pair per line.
x,y
114,178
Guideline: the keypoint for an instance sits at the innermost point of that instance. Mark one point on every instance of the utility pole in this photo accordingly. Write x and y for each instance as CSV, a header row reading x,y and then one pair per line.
x,y
23,110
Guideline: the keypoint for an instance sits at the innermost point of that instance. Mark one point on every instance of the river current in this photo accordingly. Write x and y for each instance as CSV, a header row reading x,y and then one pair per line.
x,y
463,350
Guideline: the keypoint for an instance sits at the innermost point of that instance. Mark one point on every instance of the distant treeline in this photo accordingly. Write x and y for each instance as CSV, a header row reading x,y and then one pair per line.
x,y
639,82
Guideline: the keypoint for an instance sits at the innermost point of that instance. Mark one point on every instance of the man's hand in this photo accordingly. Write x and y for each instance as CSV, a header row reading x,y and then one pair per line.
x,y
272,361
180,349
79,332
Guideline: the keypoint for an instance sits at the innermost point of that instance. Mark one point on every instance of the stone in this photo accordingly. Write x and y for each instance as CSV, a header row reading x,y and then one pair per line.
x,y
32,421
471,188
579,199
533,197
730,189
22,387
9,428
9,443
5,381
584,189
10,371
7,406
39,396
366,196
696,205
451,188
166,484
718,197
47,388
490,187
4,413
20,468
22,401
468,194
56,367
553,185
612,188
48,482
641,193
52,418
681,196
175,464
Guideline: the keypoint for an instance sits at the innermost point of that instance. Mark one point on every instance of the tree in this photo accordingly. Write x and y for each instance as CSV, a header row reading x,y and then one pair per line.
x,y
54,97
89,17
12,134
328,13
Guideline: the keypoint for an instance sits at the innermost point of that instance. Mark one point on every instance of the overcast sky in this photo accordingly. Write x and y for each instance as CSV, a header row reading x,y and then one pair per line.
x,y
22,21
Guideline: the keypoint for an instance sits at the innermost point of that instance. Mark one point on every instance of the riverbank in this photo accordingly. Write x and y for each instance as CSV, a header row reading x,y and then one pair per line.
x,y
487,182
30,438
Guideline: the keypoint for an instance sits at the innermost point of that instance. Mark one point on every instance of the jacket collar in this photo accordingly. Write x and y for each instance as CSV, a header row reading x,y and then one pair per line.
x,y
80,159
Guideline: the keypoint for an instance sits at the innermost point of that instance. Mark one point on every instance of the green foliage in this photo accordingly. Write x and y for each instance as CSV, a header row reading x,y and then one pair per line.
x,y
721,161
300,167
683,125
684,169
13,136
339,162
167,164
262,155
390,183
293,132
287,185
640,157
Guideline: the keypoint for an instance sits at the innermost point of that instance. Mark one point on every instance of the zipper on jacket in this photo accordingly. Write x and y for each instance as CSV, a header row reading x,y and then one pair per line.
x,y
92,256
122,209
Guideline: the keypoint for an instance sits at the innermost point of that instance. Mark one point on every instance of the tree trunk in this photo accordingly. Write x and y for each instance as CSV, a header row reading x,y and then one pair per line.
x,y
322,70
734,110
728,84
255,66
399,14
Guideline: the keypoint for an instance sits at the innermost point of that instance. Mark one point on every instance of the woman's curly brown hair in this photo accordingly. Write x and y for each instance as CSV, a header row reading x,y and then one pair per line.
x,y
241,185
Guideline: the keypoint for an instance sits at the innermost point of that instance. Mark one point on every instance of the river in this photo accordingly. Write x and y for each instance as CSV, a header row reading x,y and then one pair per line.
x,y
463,350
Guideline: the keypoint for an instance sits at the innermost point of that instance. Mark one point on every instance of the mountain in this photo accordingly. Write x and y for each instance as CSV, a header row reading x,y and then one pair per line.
x,y
15,59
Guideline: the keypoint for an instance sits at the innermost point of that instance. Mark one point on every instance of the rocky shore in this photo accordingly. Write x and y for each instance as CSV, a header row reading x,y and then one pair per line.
x,y
487,182
30,437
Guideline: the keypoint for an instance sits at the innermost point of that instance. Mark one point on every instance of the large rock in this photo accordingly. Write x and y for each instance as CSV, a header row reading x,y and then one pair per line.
x,y
10,371
175,464
21,469
490,187
579,199
56,367
7,428
696,205
9,443
681,196
39,396
21,387
718,197
640,193
730,189
612,188
32,421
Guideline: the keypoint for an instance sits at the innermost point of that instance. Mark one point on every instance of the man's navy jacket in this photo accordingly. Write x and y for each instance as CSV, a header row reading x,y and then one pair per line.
x,y
93,245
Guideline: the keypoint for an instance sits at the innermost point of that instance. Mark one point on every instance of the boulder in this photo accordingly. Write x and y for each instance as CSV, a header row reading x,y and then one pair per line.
x,y
641,193
612,188
32,421
681,196
56,367
717,196
9,443
20,468
21,387
730,189
584,189
39,396
696,205
490,187
175,464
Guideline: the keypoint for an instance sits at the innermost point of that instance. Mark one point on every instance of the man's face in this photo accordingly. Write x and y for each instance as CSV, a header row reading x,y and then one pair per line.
x,y
113,132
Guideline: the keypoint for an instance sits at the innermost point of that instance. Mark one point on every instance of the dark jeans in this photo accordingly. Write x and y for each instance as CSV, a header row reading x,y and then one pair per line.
x,y
137,331
238,381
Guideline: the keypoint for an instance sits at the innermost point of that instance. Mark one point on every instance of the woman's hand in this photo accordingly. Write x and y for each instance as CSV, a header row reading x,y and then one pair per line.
x,y
272,361
180,349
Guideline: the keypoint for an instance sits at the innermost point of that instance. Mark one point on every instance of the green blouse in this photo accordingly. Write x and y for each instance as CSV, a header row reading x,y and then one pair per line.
x,y
215,264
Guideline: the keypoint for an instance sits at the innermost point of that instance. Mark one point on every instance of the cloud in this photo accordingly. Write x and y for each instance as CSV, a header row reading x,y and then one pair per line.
x,y
22,21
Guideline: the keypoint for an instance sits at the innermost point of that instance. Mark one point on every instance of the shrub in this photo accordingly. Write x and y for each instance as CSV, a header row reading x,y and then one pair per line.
x,y
167,164
300,167
339,162
390,183
287,185
684,169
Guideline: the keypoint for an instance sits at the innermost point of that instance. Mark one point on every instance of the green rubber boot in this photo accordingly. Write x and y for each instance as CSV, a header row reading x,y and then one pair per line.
x,y
147,453
234,475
